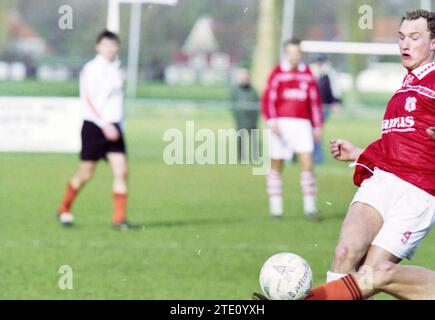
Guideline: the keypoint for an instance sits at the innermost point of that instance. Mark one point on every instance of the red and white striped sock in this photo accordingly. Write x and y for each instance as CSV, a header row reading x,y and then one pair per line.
x,y
274,190
309,190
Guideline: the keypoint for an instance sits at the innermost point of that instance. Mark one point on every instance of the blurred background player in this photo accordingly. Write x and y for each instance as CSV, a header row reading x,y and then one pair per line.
x,y
101,91
292,108
330,93
394,207
244,105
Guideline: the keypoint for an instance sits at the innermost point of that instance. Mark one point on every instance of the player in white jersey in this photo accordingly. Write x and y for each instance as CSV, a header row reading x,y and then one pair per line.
x,y
101,92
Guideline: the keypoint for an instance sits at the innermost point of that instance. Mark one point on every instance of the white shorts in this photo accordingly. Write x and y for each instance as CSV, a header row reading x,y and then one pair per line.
x,y
408,212
296,137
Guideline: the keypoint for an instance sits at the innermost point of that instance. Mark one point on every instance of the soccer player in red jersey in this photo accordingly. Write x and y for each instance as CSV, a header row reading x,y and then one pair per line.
x,y
402,282
101,82
292,108
394,208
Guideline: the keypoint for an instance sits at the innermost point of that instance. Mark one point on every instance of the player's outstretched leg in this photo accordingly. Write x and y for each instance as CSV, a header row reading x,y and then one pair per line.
x,y
345,288
402,282
405,282
355,286
361,225
84,174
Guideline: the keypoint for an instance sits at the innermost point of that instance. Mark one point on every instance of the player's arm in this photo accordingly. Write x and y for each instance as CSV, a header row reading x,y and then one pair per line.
x,y
431,131
343,150
110,132
268,103
96,92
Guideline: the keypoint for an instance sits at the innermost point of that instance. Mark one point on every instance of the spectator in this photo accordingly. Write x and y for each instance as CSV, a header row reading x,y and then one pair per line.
x,y
244,106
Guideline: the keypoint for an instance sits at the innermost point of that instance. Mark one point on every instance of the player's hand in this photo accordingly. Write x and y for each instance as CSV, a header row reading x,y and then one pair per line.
x,y
431,131
110,132
343,150
317,134
273,125
336,107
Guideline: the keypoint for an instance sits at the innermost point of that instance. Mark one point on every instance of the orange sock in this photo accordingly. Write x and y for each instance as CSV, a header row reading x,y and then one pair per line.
x,y
345,288
119,207
68,199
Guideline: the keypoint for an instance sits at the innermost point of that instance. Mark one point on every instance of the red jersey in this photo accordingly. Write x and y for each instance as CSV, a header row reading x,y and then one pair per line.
x,y
405,149
292,94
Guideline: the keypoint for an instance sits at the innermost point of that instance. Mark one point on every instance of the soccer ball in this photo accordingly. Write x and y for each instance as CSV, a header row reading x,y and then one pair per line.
x,y
286,276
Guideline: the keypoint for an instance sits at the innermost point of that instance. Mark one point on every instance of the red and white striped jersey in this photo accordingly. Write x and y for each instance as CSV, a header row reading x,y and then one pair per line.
x,y
405,149
292,94
101,83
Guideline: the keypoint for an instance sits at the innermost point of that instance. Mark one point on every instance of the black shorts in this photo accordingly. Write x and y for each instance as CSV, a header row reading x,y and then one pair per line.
x,y
95,146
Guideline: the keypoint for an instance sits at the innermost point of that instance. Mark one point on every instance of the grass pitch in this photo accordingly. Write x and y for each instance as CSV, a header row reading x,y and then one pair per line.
x,y
206,228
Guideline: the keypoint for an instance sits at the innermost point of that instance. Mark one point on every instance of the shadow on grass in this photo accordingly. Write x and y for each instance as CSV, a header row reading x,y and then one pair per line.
x,y
194,222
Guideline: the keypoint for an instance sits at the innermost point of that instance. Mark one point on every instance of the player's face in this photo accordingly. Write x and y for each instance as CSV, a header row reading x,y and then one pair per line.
x,y
416,47
243,77
293,55
108,48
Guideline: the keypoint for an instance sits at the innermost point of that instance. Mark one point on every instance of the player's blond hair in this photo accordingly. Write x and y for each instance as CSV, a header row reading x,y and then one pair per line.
x,y
420,13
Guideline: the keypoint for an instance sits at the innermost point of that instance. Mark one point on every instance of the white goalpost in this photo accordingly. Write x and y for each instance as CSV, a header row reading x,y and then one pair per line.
x,y
366,48
113,10
389,70
113,18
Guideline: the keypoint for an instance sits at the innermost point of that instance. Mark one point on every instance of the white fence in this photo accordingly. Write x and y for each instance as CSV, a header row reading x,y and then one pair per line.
x,y
40,124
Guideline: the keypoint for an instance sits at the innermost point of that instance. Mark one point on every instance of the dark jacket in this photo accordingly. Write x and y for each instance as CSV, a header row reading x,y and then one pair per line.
x,y
245,106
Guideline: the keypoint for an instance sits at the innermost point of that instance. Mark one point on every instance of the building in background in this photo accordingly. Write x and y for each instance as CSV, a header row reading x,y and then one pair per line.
x,y
24,47
200,61
24,40
26,52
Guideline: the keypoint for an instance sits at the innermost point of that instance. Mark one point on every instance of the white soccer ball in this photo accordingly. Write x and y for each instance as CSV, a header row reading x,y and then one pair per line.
x,y
286,276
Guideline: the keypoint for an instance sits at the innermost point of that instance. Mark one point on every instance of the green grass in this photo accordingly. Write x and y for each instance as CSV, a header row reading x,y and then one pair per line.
x,y
376,100
206,228
39,88
151,90
156,90
196,92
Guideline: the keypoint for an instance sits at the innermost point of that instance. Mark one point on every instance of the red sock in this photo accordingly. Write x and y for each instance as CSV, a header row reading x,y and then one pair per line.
x,y
119,207
345,288
68,199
